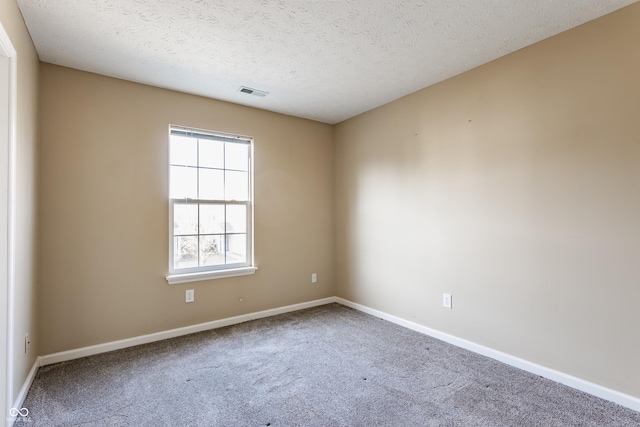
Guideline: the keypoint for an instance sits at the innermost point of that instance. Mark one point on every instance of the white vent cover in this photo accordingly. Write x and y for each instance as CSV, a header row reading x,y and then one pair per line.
x,y
254,92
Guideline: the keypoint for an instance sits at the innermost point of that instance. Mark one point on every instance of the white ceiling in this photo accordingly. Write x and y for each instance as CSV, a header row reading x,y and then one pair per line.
x,y
318,59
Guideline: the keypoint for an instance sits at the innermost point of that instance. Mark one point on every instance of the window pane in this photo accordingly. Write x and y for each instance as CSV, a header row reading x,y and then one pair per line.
x,y
237,157
185,219
211,250
184,182
236,219
211,230
185,252
237,248
211,154
211,184
237,185
212,219
183,151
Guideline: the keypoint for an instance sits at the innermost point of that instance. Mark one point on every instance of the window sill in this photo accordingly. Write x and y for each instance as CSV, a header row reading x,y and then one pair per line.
x,y
175,279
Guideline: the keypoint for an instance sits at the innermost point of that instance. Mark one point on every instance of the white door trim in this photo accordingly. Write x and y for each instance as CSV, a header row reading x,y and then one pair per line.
x,y
9,92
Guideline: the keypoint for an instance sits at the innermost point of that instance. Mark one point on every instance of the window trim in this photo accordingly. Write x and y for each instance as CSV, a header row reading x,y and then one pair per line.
x,y
175,279
185,275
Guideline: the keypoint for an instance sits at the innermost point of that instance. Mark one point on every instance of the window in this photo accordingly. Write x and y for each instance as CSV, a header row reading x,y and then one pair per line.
x,y
211,210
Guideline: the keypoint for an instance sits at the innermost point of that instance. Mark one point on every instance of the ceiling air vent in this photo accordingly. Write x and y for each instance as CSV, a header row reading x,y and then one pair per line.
x,y
254,92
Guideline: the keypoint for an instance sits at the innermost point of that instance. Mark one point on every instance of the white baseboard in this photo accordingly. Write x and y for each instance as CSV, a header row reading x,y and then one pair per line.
x,y
622,399
24,390
158,336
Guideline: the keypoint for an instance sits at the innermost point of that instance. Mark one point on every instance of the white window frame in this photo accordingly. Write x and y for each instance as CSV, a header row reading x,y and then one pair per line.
x,y
191,274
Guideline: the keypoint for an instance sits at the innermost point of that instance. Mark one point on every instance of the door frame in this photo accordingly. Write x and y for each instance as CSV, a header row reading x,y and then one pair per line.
x,y
8,99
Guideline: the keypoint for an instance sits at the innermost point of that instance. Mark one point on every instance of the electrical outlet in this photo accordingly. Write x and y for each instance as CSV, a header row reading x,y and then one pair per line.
x,y
446,300
27,343
189,296
314,278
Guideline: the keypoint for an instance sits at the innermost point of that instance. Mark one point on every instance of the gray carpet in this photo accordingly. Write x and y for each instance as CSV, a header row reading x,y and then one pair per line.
x,y
325,366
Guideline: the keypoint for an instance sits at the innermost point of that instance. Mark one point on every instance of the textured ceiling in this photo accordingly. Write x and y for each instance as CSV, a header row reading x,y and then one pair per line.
x,y
319,59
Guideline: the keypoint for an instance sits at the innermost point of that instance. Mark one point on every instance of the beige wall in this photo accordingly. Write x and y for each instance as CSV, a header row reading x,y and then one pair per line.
x,y
24,308
104,210
515,187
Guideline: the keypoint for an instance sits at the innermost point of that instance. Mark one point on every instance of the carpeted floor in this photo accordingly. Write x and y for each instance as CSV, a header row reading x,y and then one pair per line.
x,y
325,366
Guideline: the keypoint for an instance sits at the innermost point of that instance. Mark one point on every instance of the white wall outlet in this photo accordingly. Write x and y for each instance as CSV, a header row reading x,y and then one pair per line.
x,y
446,300
314,278
27,343
189,296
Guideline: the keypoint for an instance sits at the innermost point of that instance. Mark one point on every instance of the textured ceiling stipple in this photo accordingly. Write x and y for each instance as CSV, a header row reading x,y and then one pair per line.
x,y
319,59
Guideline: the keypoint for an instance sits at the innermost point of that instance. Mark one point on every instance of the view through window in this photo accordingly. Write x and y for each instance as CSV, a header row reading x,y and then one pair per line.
x,y
210,180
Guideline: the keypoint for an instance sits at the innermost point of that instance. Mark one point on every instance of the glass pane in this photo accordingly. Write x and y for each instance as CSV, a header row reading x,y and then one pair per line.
x,y
211,184
237,248
185,252
183,182
212,219
236,219
183,151
237,157
211,154
185,219
212,250
237,185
